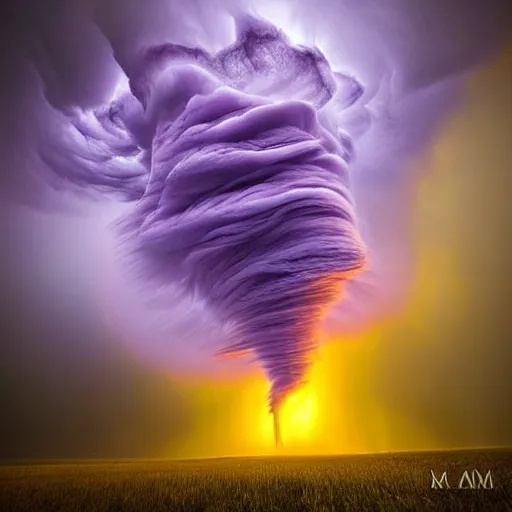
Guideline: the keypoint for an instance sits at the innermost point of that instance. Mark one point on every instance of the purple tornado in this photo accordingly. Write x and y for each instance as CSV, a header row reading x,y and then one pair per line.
x,y
242,186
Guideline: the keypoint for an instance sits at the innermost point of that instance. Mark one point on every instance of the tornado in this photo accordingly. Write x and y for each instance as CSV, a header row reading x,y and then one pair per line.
x,y
240,182
248,204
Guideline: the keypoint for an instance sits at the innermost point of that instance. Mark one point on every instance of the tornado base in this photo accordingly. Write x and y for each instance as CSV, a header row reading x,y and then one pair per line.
x,y
277,430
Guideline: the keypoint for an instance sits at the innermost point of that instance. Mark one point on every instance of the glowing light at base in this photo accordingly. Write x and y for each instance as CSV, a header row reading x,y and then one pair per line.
x,y
297,418
298,415
337,411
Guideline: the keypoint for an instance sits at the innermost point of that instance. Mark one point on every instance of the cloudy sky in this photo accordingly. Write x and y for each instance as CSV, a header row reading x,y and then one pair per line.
x,y
433,374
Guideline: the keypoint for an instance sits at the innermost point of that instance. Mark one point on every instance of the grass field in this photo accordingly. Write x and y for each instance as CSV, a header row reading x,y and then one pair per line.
x,y
356,483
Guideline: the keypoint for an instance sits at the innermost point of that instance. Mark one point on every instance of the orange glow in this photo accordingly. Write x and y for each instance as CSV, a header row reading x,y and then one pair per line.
x,y
233,354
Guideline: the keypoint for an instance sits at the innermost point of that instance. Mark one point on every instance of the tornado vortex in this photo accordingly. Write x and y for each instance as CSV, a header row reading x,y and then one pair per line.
x,y
242,186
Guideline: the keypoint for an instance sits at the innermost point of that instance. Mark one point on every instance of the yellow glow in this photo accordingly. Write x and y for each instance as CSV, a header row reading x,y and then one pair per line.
x,y
297,415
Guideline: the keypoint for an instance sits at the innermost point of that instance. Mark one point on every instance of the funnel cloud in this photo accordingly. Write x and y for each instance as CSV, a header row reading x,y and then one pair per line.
x,y
242,192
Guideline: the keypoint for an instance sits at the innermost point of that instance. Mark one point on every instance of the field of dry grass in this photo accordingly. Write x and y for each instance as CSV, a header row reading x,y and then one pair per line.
x,y
392,482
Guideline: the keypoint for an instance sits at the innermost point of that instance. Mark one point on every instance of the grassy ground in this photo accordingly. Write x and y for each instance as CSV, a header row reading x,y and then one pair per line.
x,y
356,483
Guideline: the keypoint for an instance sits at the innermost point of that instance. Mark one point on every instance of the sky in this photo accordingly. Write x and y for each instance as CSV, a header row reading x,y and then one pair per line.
x,y
432,374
